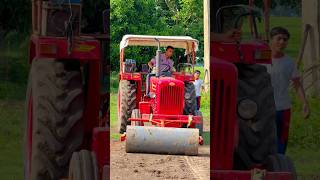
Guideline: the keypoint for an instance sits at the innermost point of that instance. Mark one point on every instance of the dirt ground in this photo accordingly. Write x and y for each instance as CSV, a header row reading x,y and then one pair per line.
x,y
136,166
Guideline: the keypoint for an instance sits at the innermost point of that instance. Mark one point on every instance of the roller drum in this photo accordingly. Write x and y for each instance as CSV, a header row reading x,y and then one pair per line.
x,y
162,140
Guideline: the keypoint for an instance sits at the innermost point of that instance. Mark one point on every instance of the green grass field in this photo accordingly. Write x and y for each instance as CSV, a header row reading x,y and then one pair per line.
x,y
304,140
11,138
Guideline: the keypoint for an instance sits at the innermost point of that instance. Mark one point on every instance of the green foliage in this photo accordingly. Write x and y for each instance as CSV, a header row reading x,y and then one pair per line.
x,y
305,134
92,15
288,3
11,139
149,17
13,77
15,15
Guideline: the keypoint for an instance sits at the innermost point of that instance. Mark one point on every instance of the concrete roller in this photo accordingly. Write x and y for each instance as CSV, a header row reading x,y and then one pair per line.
x,y
162,140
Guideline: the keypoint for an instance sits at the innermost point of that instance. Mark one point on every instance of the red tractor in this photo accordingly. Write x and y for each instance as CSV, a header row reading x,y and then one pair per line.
x,y
67,127
242,103
157,110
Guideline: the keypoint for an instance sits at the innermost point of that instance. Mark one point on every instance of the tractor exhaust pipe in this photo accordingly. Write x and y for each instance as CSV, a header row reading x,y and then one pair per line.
x,y
162,140
158,58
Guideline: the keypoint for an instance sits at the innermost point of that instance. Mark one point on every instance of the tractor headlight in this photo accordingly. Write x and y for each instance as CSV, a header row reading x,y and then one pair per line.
x,y
152,94
262,54
48,49
247,109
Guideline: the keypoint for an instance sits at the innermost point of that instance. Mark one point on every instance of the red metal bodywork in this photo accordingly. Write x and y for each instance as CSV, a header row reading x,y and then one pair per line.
x,y
183,76
145,107
223,92
100,145
169,95
137,78
230,52
166,108
163,120
84,48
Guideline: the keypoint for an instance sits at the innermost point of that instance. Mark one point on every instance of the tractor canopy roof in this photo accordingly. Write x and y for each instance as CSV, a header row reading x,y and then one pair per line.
x,y
184,42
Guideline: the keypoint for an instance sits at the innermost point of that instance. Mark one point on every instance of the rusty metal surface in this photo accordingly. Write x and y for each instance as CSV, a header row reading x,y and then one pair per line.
x,y
161,140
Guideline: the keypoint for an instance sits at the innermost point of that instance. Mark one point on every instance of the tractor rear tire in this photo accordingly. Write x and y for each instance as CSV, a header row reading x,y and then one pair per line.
x,y
190,101
257,137
199,126
280,163
136,114
55,88
83,166
127,102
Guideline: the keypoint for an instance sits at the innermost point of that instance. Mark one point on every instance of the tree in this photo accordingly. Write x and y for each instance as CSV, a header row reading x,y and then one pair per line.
x,y
150,17
15,15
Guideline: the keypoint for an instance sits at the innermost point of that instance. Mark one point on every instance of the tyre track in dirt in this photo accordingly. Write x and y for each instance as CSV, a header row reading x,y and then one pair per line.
x,y
200,165
136,166
153,166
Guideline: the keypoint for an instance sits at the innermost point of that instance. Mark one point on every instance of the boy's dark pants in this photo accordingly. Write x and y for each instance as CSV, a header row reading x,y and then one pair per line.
x,y
283,124
198,98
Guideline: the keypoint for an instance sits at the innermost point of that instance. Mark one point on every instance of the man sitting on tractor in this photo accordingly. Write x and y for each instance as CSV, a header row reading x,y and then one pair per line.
x,y
166,63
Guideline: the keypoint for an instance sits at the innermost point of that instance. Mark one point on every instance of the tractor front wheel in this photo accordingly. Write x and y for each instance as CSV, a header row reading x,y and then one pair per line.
x,y
190,101
54,118
256,121
83,166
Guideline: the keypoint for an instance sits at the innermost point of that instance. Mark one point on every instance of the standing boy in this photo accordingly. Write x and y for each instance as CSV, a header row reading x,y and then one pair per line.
x,y
198,86
283,71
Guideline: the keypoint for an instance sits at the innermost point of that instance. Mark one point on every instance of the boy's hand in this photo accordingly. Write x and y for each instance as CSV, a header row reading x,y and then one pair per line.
x,y
306,110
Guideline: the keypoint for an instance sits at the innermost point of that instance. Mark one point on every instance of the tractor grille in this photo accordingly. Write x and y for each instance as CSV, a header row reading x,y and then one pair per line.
x,y
171,100
223,114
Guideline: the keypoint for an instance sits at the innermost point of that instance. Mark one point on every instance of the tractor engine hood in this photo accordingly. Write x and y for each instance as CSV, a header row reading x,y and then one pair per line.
x,y
247,52
168,95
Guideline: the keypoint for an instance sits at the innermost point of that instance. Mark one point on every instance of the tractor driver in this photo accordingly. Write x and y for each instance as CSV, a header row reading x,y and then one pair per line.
x,y
166,63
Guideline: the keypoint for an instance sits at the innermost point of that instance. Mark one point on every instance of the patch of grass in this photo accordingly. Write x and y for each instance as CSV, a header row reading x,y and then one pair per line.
x,y
113,110
114,82
12,91
14,71
206,137
304,139
11,138
306,162
305,134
